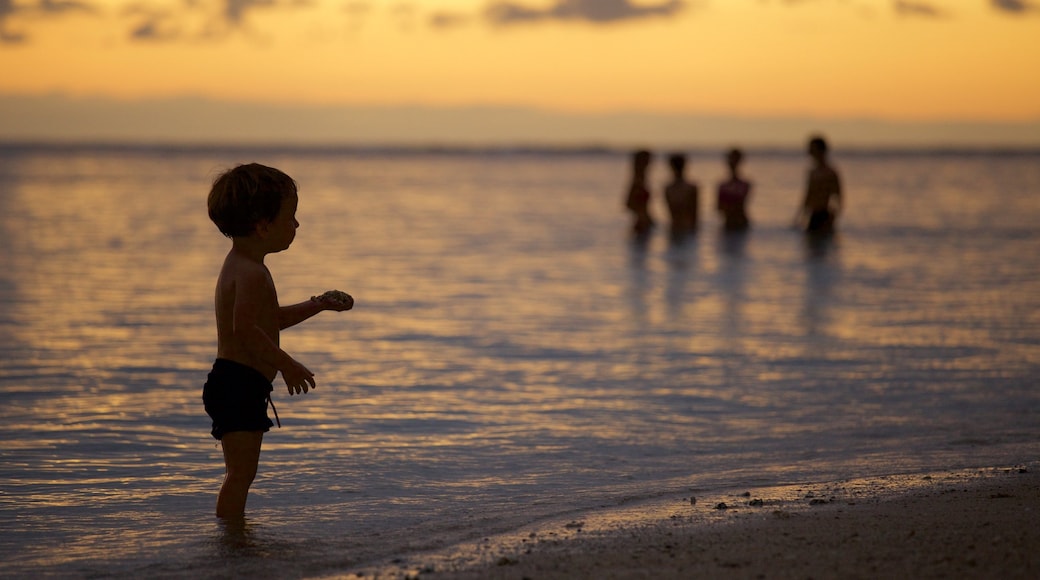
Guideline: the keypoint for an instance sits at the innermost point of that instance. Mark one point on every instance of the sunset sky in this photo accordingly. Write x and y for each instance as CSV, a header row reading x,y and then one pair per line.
x,y
466,67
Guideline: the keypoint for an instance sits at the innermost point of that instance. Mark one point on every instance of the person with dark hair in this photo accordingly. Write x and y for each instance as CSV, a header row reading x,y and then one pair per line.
x,y
681,196
638,199
823,199
733,195
255,206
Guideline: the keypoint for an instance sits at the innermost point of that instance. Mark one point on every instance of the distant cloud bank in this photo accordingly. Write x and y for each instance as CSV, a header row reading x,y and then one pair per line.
x,y
62,119
595,11
191,20
1015,6
907,8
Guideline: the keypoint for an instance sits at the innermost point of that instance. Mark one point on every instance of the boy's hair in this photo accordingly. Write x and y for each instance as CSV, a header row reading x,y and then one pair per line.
x,y
243,197
677,161
818,143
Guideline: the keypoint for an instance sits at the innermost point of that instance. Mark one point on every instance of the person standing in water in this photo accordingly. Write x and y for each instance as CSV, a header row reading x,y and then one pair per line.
x,y
733,195
638,199
255,206
823,199
681,196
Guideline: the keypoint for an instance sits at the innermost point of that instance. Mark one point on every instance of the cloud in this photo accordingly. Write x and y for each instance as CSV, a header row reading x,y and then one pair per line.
x,y
445,20
8,10
152,23
594,11
60,6
1014,6
235,10
150,30
156,20
913,8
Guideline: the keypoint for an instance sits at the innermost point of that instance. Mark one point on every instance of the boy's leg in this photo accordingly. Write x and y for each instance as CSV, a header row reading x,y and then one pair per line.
x,y
241,457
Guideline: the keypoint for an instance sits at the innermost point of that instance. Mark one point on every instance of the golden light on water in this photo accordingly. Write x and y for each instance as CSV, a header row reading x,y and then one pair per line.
x,y
512,354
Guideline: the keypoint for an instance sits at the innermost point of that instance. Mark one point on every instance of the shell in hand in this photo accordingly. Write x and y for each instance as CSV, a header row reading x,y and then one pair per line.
x,y
335,297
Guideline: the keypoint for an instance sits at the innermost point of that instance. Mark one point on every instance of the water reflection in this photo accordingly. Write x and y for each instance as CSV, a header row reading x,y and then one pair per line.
x,y
822,277
639,280
733,244
732,247
506,327
683,265
238,537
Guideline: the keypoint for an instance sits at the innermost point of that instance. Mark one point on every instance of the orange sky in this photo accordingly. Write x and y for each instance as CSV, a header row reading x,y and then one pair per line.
x,y
889,59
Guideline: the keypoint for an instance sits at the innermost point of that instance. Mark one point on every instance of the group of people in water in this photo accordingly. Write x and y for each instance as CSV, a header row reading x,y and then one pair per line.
x,y
817,214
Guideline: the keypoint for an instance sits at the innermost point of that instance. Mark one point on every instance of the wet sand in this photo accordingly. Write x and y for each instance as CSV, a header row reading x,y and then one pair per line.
x,y
982,523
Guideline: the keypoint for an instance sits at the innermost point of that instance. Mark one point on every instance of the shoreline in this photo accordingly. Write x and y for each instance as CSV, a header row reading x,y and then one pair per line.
x,y
972,523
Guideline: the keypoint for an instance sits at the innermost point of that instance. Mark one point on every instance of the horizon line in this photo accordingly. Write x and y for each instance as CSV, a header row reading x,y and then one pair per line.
x,y
420,147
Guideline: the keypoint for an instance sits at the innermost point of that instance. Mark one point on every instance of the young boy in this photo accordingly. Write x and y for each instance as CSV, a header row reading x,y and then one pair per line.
x,y
823,200
255,206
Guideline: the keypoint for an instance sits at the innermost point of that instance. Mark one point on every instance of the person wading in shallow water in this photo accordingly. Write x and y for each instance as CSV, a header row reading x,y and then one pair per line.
x,y
638,199
681,196
823,200
255,206
733,195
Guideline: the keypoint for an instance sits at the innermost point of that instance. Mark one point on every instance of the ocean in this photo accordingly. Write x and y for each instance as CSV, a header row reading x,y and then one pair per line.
x,y
513,354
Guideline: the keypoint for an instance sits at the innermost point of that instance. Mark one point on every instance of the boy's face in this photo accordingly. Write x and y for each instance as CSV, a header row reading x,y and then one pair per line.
x,y
282,231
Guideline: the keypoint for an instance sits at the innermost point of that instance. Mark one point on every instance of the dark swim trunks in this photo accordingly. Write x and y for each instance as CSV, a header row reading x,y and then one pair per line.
x,y
236,398
820,221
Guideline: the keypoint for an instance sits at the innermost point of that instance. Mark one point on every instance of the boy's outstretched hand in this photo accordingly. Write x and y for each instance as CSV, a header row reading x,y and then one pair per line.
x,y
335,300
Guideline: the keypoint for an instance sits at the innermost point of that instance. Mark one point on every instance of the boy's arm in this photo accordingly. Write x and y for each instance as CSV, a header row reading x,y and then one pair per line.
x,y
803,208
811,186
297,313
838,197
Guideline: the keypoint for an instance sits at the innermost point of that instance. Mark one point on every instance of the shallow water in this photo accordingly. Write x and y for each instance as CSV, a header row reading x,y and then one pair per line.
x,y
512,356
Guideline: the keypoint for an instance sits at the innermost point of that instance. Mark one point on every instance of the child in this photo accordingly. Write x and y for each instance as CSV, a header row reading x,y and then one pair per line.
x,y
681,196
255,206
638,199
733,195
823,201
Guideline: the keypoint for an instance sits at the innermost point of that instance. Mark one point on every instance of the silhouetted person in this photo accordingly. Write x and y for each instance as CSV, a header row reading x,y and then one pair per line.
x,y
823,201
733,195
255,206
638,199
681,197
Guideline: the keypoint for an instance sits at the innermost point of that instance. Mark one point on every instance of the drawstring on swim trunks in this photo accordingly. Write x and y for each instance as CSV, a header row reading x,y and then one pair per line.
x,y
270,402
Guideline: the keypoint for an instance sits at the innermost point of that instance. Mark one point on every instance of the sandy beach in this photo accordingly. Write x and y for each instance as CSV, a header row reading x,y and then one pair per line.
x,y
981,523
